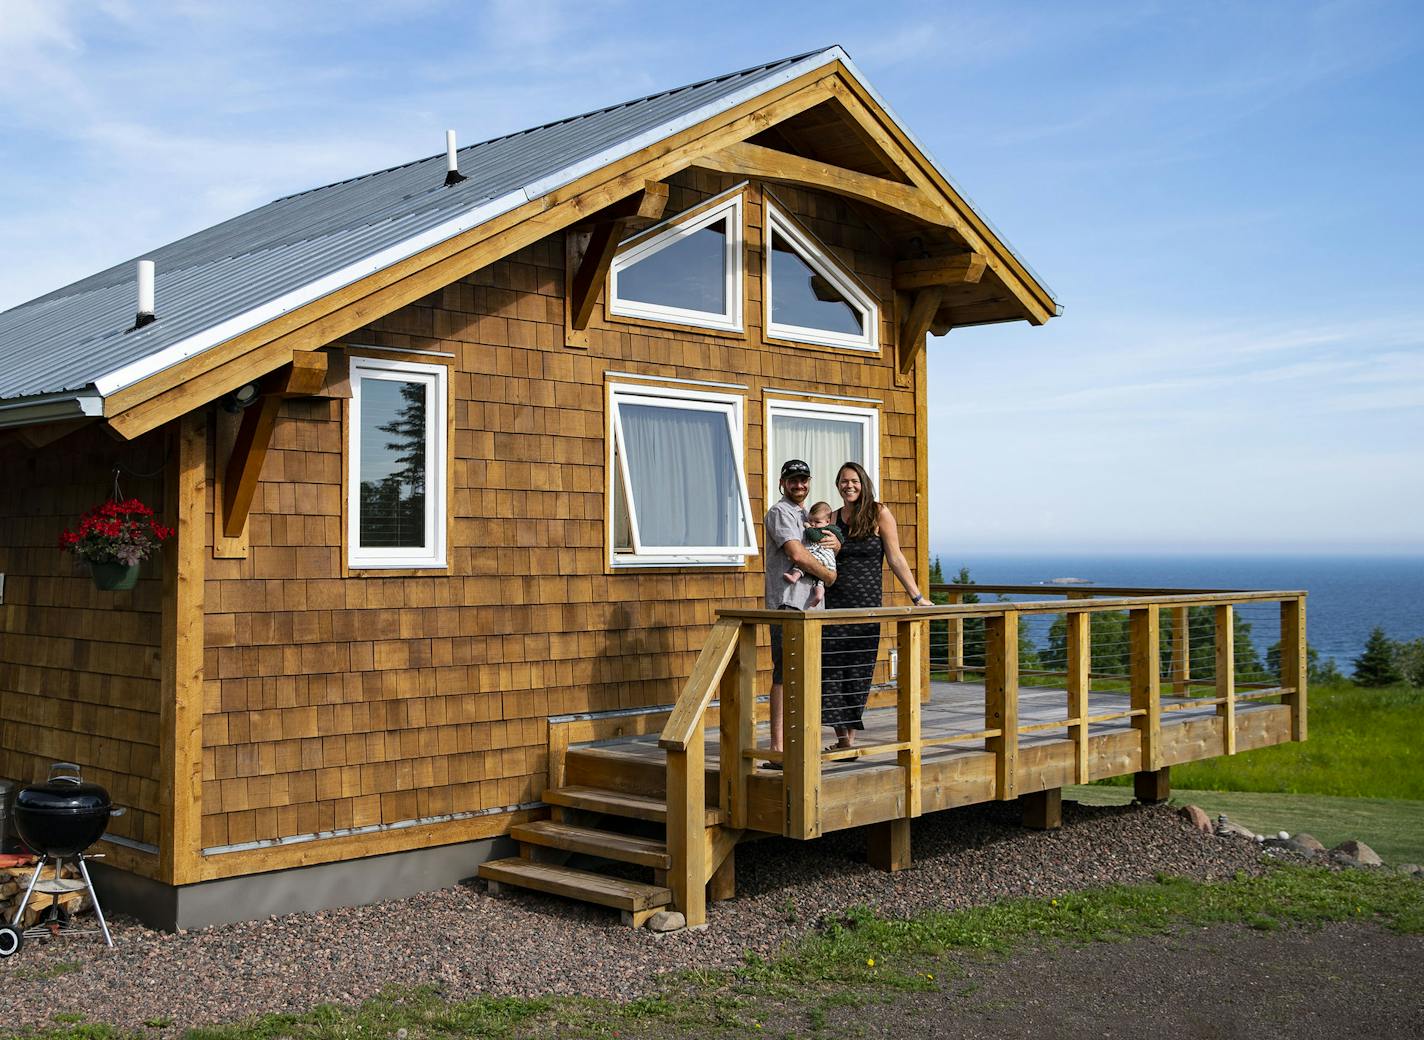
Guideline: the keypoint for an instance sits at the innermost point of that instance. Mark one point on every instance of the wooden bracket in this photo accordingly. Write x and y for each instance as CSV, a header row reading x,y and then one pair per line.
x,y
930,279
912,332
608,227
302,378
770,164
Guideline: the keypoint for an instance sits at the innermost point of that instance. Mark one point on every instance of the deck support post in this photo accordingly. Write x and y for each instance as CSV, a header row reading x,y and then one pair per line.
x,y
801,667
723,885
686,826
1293,662
887,845
737,726
1181,651
1080,684
1226,675
1001,699
1152,786
1146,653
908,639
1043,810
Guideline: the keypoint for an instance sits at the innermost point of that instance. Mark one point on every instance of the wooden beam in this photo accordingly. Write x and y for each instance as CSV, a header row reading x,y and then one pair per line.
x,y
1152,786
1080,685
1043,810
912,333
1001,699
753,160
1294,661
801,707
608,228
1226,674
908,640
887,845
960,269
303,377
1144,633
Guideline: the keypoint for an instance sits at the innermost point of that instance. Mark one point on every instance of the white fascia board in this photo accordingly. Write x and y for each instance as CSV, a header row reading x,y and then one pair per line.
x,y
46,408
238,324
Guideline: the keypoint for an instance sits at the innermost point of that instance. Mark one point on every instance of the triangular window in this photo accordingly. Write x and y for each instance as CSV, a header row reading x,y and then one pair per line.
x,y
687,270
809,298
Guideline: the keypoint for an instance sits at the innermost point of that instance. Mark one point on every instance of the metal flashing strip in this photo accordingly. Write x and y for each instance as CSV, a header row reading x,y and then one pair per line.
x,y
257,316
129,843
674,379
372,828
60,407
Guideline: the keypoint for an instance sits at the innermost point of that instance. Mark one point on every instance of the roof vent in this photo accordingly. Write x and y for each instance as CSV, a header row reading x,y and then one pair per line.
x,y
452,162
145,295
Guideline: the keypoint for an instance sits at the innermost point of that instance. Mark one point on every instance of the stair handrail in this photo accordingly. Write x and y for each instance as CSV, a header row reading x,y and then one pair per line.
x,y
702,685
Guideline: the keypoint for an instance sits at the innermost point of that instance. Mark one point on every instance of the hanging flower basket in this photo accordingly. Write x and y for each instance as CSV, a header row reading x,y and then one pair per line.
x,y
114,539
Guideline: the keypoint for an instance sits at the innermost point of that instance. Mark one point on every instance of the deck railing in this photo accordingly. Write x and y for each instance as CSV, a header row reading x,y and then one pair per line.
x,y
727,672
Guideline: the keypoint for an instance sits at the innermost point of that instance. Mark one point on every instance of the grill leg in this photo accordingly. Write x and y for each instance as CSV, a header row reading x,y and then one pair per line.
x,y
20,910
95,897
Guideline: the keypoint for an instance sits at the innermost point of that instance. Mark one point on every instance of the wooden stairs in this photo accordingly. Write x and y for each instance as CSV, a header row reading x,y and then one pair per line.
x,y
608,822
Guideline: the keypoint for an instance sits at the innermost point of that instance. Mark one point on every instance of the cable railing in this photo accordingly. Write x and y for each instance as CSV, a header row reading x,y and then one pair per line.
x,y
1121,660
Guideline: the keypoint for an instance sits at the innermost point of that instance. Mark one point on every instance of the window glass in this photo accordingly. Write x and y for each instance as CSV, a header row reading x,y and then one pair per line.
x,y
679,492
687,274
393,424
804,297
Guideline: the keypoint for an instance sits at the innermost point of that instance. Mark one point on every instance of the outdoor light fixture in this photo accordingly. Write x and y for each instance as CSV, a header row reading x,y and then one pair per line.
x,y
244,396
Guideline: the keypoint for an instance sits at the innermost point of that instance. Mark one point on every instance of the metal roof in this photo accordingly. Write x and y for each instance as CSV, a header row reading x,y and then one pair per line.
x,y
237,275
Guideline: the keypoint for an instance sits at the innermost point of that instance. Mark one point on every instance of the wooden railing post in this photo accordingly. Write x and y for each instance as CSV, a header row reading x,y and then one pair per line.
x,y
1001,699
954,628
1293,662
1226,674
686,826
1181,651
737,726
1146,655
908,638
801,668
1080,684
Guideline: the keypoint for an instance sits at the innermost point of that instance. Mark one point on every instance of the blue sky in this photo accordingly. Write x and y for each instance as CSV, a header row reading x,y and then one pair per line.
x,y
1225,197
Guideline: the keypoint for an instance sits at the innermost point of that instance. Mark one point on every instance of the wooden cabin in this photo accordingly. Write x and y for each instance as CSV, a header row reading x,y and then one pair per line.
x,y
467,460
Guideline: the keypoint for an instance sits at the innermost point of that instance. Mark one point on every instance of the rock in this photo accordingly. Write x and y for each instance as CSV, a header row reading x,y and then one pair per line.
x,y
1283,835
666,921
1340,859
1310,841
1410,868
1291,845
1226,829
1197,817
1359,852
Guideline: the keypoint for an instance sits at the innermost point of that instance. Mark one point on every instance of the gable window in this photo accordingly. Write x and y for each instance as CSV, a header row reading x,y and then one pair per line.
x,y
826,437
687,270
809,298
396,445
678,488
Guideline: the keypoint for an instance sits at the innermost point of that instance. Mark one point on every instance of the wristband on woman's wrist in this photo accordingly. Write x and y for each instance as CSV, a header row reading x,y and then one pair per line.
x,y
917,600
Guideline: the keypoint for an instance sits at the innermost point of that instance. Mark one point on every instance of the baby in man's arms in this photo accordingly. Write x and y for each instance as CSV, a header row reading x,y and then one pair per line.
x,y
820,525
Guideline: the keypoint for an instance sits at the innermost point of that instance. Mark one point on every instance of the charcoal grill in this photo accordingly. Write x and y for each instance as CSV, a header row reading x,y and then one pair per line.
x,y
58,820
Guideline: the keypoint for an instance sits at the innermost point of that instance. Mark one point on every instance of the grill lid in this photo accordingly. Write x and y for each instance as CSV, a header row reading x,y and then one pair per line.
x,y
63,795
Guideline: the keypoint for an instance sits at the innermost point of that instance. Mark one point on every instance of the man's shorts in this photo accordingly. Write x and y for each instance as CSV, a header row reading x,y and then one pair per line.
x,y
776,650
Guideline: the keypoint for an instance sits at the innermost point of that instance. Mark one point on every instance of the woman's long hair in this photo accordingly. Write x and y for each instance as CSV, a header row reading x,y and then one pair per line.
x,y
865,513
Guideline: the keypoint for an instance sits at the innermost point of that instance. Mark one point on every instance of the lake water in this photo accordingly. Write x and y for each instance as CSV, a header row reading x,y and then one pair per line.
x,y
1349,595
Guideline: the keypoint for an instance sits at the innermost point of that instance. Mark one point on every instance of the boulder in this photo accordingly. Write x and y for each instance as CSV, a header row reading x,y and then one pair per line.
x,y
666,921
1291,845
1197,817
1310,841
1410,868
1226,829
1359,852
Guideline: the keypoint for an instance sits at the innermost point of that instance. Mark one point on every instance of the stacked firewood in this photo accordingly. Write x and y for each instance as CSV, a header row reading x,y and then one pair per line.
x,y
15,878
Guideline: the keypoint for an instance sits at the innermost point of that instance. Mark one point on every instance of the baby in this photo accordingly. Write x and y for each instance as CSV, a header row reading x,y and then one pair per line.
x,y
820,526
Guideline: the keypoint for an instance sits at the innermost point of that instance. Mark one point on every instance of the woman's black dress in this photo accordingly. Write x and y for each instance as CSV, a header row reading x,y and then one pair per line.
x,y
848,652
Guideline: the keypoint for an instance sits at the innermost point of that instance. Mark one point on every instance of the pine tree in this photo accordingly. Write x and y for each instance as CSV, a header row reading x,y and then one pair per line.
x,y
1376,666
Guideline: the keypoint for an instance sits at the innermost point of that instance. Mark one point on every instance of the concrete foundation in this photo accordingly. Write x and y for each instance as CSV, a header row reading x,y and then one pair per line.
x,y
320,887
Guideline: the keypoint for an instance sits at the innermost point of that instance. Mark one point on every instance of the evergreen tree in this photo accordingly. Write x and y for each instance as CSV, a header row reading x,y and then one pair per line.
x,y
1376,666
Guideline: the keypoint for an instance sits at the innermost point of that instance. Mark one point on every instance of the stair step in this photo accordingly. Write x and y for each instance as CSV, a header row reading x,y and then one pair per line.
x,y
626,848
632,896
615,768
618,803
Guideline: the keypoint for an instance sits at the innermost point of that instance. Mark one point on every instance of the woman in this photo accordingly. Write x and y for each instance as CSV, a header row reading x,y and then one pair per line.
x,y
848,652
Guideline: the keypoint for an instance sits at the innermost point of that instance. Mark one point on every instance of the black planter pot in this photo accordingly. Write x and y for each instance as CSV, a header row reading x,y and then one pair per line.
x,y
64,816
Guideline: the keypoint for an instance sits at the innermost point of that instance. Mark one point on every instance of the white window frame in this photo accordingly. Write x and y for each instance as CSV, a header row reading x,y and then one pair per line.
x,y
868,416
778,225
730,405
657,238
436,381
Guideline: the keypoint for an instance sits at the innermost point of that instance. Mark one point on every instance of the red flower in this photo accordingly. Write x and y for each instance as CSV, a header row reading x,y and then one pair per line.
x,y
116,532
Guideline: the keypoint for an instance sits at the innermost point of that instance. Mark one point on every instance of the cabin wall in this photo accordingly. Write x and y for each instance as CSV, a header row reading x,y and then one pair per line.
x,y
337,701
80,668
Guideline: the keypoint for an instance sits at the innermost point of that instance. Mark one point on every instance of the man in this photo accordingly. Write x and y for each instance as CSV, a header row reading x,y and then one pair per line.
x,y
785,528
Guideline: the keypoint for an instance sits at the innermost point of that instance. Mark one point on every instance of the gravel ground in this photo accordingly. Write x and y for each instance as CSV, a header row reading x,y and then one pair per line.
x,y
528,944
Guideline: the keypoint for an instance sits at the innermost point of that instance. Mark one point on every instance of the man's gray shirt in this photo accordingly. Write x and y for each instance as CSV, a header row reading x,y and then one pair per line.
x,y
785,522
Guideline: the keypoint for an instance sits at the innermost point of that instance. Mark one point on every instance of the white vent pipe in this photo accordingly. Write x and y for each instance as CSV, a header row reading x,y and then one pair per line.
x,y
452,161
146,312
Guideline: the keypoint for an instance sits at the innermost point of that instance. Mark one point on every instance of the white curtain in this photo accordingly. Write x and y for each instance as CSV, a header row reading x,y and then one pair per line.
x,y
824,444
685,486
